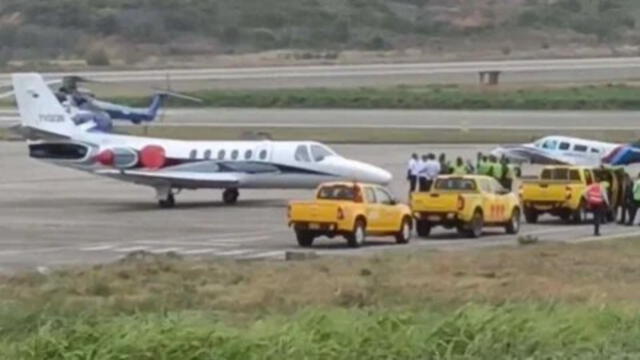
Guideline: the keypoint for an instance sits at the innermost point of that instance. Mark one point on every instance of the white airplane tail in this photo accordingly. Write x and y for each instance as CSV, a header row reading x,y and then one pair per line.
x,y
39,108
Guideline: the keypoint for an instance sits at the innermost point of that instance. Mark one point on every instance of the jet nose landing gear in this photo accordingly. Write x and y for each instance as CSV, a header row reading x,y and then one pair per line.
x,y
230,196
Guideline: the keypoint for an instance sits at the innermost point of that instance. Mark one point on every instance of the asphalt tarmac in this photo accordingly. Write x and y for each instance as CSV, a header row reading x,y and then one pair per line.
x,y
52,217
389,119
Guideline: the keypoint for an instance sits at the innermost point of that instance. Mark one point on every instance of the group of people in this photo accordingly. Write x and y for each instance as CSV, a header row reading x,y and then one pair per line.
x,y
422,170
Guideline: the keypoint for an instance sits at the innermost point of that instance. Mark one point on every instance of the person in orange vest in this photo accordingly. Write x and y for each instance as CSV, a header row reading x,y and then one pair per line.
x,y
598,203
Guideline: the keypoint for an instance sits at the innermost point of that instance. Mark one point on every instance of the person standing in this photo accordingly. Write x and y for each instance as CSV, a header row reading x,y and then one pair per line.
x,y
627,200
422,175
460,168
598,203
430,171
445,167
412,172
508,174
635,201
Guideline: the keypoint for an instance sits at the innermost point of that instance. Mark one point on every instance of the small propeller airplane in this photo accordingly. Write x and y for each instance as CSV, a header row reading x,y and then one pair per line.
x,y
169,166
564,150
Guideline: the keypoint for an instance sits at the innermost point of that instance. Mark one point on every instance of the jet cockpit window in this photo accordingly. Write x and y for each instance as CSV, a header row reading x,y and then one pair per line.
x,y
320,152
550,144
302,154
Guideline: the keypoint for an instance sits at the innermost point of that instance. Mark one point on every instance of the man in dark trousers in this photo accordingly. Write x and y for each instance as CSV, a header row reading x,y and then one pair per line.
x,y
413,169
627,201
635,201
598,203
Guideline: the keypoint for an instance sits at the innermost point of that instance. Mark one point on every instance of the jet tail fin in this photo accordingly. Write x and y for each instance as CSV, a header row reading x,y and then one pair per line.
x,y
39,108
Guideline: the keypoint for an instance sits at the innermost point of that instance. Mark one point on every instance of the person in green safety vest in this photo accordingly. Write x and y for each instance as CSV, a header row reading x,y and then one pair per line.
x,y
508,174
495,168
459,168
483,166
635,204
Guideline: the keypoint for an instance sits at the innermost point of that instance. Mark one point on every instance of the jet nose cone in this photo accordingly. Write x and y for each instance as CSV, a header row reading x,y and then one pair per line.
x,y
374,174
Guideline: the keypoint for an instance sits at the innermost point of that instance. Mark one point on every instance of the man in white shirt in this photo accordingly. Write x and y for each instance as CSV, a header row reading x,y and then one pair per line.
x,y
413,169
430,171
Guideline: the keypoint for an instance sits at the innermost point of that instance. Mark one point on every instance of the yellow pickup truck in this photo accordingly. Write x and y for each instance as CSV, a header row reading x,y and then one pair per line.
x,y
559,191
351,210
467,203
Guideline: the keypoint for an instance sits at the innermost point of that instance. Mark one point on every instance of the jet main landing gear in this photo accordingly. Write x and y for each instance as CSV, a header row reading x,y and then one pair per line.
x,y
166,197
168,202
230,196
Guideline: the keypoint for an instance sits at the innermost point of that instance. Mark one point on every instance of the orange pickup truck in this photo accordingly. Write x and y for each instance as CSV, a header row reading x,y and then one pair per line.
x,y
351,210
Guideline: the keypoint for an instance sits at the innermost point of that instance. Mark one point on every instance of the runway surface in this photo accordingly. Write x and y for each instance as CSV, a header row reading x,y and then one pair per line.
x,y
51,216
412,119
516,71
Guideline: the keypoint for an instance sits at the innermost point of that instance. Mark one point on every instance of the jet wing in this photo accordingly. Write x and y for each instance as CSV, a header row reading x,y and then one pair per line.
x,y
175,178
520,153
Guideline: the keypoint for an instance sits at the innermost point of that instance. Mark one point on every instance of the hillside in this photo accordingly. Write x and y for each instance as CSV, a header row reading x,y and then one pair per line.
x,y
134,29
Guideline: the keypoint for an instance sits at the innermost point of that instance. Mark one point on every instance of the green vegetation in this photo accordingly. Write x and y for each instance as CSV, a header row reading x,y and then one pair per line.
x,y
537,302
63,28
606,97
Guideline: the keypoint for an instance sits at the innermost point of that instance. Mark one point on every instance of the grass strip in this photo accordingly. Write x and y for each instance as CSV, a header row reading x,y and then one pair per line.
x,y
591,97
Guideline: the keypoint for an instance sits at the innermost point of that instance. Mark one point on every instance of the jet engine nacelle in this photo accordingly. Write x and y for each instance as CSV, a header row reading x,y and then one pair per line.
x,y
119,157
62,152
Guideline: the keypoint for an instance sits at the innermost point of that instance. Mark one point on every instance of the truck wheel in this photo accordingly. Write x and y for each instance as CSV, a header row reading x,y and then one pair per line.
x,y
476,225
359,234
531,216
513,226
580,215
404,235
305,238
423,228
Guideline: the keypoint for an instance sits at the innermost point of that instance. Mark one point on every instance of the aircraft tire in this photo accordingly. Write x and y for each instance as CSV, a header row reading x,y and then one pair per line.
x,y
230,196
168,203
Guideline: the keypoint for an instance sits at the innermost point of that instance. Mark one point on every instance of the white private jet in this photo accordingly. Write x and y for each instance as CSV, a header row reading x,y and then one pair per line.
x,y
170,166
571,151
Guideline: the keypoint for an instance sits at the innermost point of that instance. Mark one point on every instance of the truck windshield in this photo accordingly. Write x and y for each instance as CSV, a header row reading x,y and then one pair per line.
x,y
561,174
457,184
337,192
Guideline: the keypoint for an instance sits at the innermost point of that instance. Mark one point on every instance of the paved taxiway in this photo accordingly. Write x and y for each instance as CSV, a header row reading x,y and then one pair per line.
x,y
514,71
51,216
411,119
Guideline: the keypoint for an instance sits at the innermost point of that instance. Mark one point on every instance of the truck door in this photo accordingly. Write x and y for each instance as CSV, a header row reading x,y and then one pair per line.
x,y
387,209
373,210
488,200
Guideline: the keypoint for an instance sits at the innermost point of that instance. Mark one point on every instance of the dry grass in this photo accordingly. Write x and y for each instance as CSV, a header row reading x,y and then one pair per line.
x,y
595,274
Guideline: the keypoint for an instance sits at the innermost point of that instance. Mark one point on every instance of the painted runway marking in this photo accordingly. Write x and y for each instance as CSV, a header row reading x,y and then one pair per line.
x,y
165,250
131,249
265,255
98,248
233,252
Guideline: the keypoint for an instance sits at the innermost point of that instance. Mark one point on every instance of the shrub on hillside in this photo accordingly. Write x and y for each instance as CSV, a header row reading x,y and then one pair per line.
x,y
97,57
